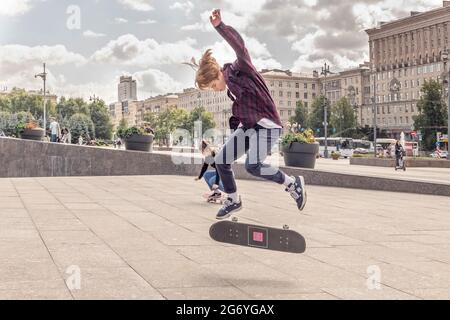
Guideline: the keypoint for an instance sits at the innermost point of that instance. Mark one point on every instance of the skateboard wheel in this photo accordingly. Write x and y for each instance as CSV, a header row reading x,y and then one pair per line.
x,y
285,227
234,219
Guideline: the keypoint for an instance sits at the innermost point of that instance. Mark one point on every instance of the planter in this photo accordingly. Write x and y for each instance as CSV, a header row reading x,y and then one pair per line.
x,y
139,142
301,155
36,134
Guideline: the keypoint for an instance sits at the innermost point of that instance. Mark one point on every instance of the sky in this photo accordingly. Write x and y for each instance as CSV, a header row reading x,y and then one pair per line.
x,y
88,44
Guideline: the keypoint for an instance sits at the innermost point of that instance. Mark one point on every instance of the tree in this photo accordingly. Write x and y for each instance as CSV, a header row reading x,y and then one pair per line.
x,y
343,117
81,125
316,117
66,108
19,100
200,114
432,113
301,115
102,120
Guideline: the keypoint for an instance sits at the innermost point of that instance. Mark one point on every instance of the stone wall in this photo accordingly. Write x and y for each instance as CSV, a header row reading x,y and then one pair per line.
x,y
22,158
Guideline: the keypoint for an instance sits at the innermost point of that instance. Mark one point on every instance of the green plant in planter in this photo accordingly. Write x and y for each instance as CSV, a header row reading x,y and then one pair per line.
x,y
335,155
306,136
128,132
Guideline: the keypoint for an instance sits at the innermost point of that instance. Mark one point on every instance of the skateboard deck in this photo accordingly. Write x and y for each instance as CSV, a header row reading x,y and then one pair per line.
x,y
261,237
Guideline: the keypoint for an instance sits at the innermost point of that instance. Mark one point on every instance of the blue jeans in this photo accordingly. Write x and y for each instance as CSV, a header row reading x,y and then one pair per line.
x,y
210,178
260,142
54,138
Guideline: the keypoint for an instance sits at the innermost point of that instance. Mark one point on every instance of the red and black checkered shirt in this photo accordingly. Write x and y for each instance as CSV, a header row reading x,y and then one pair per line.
x,y
252,100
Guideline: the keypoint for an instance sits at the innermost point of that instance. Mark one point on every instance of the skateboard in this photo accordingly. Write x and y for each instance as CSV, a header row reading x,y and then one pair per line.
x,y
216,200
261,237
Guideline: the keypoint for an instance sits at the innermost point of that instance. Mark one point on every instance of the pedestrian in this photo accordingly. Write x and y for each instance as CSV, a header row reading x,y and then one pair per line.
x,y
55,130
211,177
259,120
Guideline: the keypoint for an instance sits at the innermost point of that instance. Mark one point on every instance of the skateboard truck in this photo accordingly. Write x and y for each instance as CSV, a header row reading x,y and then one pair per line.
x,y
234,219
285,227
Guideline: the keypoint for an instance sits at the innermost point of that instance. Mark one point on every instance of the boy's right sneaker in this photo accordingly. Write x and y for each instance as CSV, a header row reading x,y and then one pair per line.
x,y
298,192
229,207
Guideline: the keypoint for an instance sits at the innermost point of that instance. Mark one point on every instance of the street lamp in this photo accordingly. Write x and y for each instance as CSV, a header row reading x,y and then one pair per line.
x,y
325,72
43,75
446,80
374,109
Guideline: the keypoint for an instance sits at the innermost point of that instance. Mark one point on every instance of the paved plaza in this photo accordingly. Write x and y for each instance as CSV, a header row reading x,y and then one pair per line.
x,y
146,237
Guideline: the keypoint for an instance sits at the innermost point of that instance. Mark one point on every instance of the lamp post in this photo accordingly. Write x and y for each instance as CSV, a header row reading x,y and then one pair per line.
x,y
374,108
445,58
325,72
43,75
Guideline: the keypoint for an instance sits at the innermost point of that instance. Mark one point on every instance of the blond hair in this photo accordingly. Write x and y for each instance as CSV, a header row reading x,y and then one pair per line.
x,y
208,70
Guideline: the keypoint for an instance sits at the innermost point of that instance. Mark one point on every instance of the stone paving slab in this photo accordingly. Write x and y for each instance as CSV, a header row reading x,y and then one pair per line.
x,y
146,237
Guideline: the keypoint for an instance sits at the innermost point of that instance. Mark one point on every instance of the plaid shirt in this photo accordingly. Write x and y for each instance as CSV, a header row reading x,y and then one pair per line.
x,y
252,100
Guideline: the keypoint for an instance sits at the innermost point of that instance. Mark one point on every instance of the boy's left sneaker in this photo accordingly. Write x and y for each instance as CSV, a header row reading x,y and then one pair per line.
x,y
228,208
298,192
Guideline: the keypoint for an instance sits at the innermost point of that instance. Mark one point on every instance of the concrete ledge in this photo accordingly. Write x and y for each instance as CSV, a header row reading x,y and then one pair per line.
x,y
23,158
376,162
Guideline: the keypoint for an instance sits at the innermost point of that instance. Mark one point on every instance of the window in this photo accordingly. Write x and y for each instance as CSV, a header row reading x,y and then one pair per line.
x,y
280,93
289,104
289,112
305,95
288,84
289,94
272,93
306,86
407,120
314,86
281,103
297,85
297,95
280,84
272,83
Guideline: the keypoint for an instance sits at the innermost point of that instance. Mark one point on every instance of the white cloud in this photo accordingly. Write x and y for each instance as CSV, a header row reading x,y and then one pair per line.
x,y
186,7
148,21
92,34
129,50
153,82
120,20
15,7
138,5
239,22
20,63
261,57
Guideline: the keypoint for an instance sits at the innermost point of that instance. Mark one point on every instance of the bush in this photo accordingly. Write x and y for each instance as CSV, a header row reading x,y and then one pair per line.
x,y
128,132
13,124
335,155
302,137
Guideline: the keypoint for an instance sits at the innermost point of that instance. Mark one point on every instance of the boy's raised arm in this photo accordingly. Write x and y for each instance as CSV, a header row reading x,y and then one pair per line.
x,y
233,38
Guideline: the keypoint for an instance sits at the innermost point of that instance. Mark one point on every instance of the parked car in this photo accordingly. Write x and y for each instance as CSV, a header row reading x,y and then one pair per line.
x,y
443,155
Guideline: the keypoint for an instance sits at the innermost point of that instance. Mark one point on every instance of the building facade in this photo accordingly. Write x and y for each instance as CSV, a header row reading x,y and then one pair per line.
x,y
126,89
403,55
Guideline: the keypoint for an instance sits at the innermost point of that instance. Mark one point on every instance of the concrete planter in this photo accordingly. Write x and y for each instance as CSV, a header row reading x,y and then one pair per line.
x,y
36,134
139,143
302,155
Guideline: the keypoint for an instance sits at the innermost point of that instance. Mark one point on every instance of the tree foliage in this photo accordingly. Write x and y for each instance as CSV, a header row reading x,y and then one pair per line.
x,y
432,113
